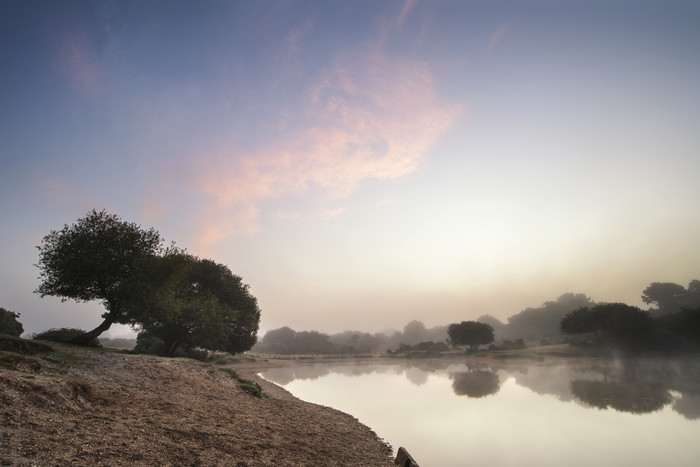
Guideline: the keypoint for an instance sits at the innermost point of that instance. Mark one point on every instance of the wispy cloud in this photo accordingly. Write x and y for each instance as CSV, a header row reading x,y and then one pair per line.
x,y
498,35
368,116
76,60
407,6
397,22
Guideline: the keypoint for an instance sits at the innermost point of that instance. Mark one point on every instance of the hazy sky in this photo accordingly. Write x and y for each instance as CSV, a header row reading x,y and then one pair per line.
x,y
361,163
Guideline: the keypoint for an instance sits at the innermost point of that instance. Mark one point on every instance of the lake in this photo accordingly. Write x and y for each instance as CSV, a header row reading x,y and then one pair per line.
x,y
514,413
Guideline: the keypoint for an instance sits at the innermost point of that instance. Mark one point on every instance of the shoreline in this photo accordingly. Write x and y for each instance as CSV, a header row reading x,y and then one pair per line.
x,y
78,406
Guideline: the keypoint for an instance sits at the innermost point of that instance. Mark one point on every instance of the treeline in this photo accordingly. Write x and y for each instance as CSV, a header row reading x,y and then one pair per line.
x,y
542,323
673,315
628,328
286,341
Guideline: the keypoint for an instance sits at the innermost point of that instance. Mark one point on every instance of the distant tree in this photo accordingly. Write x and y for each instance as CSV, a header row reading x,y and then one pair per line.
x,y
313,342
471,334
279,341
9,323
497,325
430,346
286,341
414,332
694,293
668,297
359,342
617,324
190,302
543,321
90,259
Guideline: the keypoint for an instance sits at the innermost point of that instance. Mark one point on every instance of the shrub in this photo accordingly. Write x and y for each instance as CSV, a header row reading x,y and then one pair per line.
x,y
251,387
64,335
148,344
9,324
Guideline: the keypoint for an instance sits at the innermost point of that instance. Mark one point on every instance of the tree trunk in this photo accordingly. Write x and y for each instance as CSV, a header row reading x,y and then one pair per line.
x,y
169,348
84,339
110,319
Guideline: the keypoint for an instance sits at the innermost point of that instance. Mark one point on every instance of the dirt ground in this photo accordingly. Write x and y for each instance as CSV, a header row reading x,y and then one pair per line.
x,y
78,406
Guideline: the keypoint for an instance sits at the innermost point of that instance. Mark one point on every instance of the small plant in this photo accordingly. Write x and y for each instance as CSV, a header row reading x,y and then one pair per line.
x,y
233,373
79,388
219,358
251,387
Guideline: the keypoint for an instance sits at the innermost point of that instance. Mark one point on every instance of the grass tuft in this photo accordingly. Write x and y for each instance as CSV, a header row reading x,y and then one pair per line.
x,y
251,387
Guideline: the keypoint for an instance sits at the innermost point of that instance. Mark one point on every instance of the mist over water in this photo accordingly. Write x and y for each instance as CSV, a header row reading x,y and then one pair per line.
x,y
454,413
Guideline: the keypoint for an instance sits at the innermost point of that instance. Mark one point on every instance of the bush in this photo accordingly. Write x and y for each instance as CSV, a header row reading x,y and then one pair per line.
x,y
67,335
148,344
9,324
151,345
251,387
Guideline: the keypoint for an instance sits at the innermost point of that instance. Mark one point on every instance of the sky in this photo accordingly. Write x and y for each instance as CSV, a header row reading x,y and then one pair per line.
x,y
360,164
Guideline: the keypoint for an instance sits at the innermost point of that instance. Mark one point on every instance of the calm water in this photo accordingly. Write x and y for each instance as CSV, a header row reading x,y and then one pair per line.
x,y
520,414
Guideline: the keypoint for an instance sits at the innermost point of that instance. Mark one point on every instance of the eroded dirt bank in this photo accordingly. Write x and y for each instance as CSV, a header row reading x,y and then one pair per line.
x,y
86,407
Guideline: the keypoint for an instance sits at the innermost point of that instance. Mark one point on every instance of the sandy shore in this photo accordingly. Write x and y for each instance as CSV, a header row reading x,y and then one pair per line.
x,y
86,407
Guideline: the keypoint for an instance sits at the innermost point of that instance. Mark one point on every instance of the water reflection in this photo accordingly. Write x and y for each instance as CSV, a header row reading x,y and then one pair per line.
x,y
623,396
475,383
576,413
627,386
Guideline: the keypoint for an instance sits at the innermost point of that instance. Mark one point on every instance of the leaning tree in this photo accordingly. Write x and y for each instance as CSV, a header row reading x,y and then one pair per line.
x,y
91,259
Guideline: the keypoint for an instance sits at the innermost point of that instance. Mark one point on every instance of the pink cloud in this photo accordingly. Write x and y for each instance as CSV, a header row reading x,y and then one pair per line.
x,y
370,116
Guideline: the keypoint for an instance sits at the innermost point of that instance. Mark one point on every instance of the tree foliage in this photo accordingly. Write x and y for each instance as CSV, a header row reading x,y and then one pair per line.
x,y
470,333
9,323
612,323
190,302
543,321
90,260
668,297
680,331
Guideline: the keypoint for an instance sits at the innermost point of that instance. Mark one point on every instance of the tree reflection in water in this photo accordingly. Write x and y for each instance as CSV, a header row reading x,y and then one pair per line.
x,y
624,396
639,387
475,383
